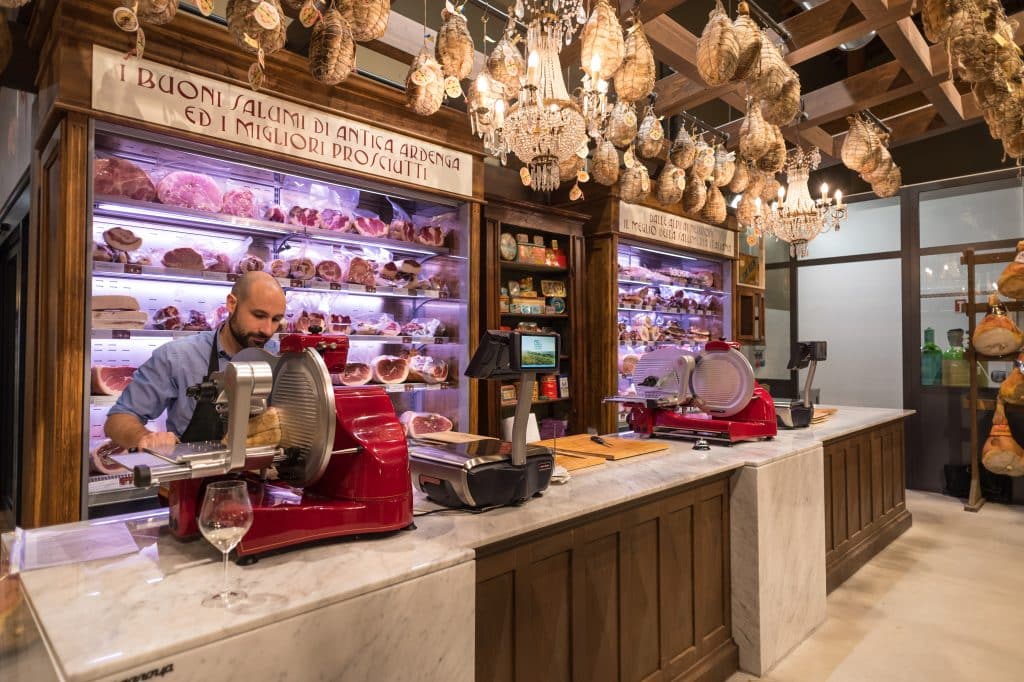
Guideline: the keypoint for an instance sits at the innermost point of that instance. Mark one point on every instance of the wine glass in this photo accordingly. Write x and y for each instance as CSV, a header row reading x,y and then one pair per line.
x,y
225,518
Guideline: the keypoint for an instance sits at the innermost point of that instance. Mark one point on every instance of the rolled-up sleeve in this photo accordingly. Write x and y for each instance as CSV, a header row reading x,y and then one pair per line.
x,y
153,387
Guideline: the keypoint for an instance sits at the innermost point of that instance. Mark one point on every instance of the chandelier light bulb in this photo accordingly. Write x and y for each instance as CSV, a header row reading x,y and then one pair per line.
x,y
782,193
602,86
839,198
824,191
595,65
483,84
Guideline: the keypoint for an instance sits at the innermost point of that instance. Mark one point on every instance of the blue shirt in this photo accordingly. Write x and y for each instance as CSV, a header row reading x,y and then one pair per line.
x,y
160,383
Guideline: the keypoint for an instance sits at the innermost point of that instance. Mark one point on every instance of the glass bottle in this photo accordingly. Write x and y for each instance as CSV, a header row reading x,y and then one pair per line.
x,y
931,360
955,370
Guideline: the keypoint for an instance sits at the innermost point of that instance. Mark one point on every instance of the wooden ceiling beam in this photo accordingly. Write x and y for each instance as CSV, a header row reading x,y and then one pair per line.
x,y
403,40
833,23
913,53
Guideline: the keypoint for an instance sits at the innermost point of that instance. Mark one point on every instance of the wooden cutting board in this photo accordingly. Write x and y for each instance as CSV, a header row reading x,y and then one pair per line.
x,y
573,462
621,448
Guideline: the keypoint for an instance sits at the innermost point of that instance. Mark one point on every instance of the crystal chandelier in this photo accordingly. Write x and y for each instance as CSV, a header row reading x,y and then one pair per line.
x,y
797,218
541,126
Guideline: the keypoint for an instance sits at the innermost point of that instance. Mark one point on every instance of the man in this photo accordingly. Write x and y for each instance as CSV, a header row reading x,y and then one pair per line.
x,y
256,307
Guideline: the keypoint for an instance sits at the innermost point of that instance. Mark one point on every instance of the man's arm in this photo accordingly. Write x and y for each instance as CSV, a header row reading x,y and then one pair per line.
x,y
128,432
150,392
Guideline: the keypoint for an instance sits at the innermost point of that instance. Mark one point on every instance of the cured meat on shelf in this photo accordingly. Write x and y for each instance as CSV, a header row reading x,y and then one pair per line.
x,y
335,220
627,364
428,370
306,217
402,230
197,322
105,254
411,268
430,235
423,327
119,319
101,462
301,268
249,264
122,239
389,369
339,324
279,268
168,318
371,226
217,262
329,270
114,302
110,380
309,323
190,190
239,202
390,328
183,258
356,374
389,273
121,178
421,423
360,271
275,214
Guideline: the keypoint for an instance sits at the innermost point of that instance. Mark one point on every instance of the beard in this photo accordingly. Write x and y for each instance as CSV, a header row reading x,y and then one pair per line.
x,y
243,338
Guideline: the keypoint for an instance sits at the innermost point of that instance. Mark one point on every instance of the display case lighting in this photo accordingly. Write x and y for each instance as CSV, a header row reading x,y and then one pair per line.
x,y
664,253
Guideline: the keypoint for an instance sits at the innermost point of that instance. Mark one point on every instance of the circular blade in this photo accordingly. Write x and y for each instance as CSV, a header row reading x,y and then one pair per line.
x,y
724,381
304,396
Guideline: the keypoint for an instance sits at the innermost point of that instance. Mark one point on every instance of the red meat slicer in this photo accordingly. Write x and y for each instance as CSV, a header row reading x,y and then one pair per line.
x,y
711,395
342,463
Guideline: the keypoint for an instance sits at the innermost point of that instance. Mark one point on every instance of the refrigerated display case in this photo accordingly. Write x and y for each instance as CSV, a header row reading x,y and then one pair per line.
x,y
388,268
655,278
668,299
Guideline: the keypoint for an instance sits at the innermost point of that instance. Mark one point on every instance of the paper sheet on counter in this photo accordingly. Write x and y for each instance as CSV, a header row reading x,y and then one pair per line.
x,y
54,547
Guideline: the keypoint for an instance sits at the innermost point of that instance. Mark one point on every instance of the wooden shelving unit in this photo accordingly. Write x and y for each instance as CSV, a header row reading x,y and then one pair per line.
x,y
515,217
972,308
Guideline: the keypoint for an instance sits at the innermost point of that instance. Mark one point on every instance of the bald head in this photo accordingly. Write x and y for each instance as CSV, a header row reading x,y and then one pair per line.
x,y
256,283
257,306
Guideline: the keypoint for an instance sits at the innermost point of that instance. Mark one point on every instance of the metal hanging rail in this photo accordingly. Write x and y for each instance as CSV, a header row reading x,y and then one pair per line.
x,y
767,20
877,121
704,126
492,10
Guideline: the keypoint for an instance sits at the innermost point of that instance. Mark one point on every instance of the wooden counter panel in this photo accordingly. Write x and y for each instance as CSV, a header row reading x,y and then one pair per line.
x,y
865,506
641,593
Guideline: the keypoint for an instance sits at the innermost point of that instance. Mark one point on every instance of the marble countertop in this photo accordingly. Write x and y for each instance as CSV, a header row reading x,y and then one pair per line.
x,y
108,615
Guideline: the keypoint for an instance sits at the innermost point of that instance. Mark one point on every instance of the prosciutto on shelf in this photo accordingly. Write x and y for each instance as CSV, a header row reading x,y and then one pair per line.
x,y
389,369
422,423
239,202
190,190
117,177
425,369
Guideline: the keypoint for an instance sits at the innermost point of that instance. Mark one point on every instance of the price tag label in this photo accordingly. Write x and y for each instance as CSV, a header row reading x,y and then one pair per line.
x,y
133,269
409,388
233,276
120,334
406,339
442,294
371,290
401,291
438,340
297,283
335,286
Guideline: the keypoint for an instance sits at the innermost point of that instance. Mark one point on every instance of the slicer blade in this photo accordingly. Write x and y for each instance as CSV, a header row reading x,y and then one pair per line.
x,y
304,396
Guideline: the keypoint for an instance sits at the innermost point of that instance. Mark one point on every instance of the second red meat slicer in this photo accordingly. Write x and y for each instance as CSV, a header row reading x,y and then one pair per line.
x,y
711,395
342,462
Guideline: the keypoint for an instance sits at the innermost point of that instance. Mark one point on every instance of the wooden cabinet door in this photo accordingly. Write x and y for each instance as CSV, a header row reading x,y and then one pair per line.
x,y
750,315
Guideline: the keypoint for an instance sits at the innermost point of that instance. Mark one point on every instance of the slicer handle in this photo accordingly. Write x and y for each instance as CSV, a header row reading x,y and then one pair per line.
x,y
141,476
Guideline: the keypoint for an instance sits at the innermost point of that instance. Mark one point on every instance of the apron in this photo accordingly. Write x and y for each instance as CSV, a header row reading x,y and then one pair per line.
x,y
206,424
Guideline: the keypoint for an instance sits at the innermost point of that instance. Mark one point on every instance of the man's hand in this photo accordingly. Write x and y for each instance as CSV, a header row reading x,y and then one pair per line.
x,y
159,441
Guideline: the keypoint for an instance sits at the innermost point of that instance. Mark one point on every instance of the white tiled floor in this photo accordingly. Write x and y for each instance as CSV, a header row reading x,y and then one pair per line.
x,y
943,602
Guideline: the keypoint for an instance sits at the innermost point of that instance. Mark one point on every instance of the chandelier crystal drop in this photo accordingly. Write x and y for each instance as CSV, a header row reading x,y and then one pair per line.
x,y
796,217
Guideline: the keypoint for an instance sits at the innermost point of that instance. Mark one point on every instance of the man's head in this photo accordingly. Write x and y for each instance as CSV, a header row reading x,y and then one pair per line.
x,y
256,304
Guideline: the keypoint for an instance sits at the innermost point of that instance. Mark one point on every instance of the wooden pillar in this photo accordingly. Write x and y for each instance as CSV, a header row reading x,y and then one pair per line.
x,y
55,373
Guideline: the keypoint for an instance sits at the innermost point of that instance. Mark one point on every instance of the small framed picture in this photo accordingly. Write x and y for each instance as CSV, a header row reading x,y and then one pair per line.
x,y
563,387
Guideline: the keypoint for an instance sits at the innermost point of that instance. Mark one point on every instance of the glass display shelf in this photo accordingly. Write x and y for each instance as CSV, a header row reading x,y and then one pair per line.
x,y
527,267
172,216
122,334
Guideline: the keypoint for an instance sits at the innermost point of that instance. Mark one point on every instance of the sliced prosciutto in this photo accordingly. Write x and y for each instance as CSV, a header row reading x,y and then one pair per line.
x,y
111,380
427,369
388,369
100,461
122,178
190,190
356,374
421,423
371,226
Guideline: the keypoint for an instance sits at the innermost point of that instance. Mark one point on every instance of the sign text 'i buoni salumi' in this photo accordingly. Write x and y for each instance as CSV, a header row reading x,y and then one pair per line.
x,y
162,95
674,230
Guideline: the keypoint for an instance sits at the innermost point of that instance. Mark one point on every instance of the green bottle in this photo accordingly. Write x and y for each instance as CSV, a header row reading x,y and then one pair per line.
x,y
955,370
931,360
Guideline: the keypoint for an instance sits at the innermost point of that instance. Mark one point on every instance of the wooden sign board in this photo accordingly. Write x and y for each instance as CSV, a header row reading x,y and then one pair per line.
x,y
674,230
